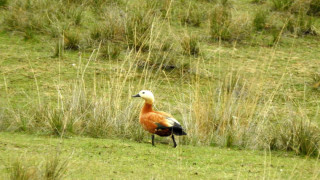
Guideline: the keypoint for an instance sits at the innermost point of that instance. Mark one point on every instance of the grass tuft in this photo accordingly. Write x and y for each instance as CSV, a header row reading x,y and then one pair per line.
x,y
260,20
190,45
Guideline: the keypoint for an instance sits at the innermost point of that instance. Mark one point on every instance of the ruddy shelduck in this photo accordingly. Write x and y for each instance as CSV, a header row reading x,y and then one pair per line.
x,y
157,122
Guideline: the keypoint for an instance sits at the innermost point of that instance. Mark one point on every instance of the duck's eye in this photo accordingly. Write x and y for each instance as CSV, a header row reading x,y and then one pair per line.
x,y
142,92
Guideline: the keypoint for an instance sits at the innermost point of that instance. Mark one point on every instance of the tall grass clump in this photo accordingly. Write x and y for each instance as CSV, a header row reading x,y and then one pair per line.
x,y
301,24
236,112
281,5
107,111
192,16
18,170
300,136
55,168
222,113
190,45
260,20
314,8
24,169
220,23
225,27
139,24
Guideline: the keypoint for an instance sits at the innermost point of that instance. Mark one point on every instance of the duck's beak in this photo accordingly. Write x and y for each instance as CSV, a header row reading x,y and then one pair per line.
x,y
137,95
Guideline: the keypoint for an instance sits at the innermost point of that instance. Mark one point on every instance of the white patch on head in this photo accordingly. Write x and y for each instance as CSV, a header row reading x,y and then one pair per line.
x,y
147,95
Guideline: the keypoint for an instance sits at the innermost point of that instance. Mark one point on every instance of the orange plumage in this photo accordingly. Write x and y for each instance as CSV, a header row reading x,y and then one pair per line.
x,y
156,122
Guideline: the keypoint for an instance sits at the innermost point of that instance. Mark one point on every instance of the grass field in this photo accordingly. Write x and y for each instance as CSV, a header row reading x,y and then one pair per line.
x,y
89,158
237,75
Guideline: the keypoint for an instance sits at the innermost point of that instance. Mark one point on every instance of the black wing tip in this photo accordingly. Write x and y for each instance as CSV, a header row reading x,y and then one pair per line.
x,y
179,133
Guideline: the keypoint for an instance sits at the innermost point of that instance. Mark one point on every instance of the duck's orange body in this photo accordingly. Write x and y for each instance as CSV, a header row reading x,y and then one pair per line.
x,y
156,122
151,120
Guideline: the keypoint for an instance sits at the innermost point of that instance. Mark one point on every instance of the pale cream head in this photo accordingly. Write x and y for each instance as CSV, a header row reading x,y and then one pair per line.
x,y
146,95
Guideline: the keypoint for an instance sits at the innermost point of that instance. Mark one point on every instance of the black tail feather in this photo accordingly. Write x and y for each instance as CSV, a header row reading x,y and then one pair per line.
x,y
177,130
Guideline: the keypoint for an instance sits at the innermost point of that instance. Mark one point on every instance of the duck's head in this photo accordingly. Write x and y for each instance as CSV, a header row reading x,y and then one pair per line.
x,y
146,95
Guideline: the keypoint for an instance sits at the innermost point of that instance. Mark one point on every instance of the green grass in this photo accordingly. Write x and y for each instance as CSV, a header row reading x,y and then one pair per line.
x,y
229,83
122,159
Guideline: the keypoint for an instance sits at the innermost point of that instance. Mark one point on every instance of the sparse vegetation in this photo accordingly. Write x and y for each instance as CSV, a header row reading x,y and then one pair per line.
x,y
84,59
23,169
190,45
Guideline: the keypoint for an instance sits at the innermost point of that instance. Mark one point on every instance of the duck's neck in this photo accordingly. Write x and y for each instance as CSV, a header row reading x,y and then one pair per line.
x,y
146,108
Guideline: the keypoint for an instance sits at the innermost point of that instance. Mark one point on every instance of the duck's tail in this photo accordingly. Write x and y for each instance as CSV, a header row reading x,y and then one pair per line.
x,y
177,130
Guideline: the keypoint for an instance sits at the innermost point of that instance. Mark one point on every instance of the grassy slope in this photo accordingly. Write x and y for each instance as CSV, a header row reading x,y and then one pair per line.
x,y
122,159
291,65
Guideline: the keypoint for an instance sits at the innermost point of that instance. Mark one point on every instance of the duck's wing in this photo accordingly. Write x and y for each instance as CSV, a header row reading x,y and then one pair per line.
x,y
165,121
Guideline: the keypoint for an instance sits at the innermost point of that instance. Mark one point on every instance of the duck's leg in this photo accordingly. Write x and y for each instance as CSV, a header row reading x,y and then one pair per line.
x,y
152,138
174,142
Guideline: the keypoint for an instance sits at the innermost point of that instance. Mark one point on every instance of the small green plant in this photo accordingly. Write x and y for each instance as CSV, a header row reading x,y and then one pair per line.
x,y
260,20
190,45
